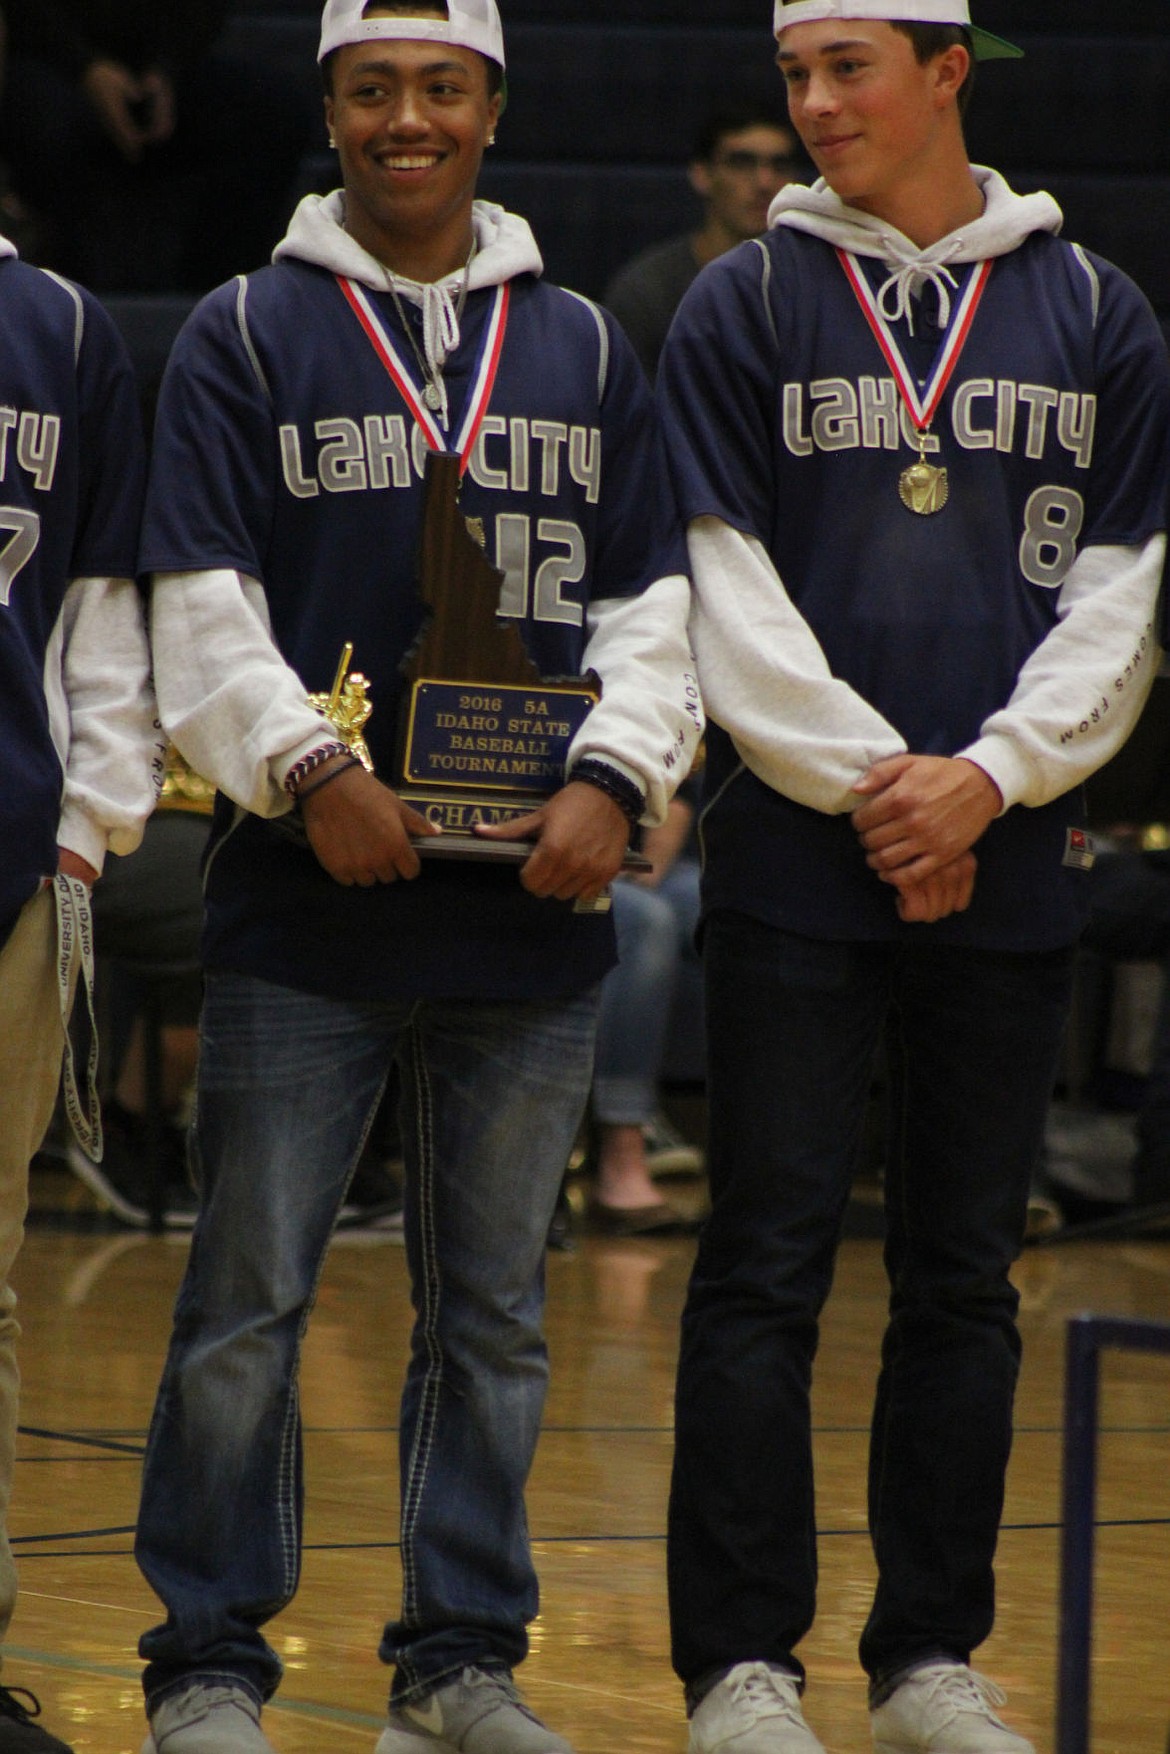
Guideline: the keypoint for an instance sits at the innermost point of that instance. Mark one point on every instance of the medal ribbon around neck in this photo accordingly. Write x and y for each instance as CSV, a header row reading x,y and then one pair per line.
x,y
487,367
922,409
923,487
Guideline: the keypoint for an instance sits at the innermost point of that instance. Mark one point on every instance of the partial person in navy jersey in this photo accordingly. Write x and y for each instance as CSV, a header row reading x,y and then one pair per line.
x,y
401,315
920,445
81,755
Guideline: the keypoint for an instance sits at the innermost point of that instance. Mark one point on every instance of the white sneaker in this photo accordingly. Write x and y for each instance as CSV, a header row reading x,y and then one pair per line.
x,y
753,1710
477,1712
944,1708
209,1717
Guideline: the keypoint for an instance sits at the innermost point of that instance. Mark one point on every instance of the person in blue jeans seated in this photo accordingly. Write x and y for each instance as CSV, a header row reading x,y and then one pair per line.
x,y
655,915
920,444
401,316
148,908
1126,1182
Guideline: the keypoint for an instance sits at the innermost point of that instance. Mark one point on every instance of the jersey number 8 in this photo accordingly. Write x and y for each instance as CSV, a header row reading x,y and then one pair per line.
x,y
1053,520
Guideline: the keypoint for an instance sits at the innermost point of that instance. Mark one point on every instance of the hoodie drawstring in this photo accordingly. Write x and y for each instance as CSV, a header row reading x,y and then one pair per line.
x,y
911,274
441,316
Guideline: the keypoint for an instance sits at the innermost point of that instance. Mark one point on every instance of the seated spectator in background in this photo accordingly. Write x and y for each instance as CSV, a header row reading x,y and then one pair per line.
x,y
148,910
655,916
743,158
1130,922
110,96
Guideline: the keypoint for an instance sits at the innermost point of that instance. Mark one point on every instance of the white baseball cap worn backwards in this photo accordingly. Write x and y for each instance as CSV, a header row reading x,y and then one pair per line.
x,y
469,24
986,46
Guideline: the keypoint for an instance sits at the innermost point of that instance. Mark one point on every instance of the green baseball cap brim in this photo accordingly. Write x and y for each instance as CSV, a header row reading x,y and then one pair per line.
x,y
992,48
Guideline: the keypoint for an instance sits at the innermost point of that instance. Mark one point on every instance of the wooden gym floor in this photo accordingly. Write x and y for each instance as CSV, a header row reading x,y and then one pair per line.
x,y
95,1309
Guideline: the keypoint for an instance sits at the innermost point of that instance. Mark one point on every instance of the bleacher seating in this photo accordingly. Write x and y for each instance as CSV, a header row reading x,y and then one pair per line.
x,y
605,95
605,98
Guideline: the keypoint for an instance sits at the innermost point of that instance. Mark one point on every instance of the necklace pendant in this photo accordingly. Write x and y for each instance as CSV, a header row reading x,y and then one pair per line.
x,y
924,489
433,397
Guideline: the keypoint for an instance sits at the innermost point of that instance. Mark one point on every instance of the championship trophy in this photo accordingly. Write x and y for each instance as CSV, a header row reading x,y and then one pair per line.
x,y
483,736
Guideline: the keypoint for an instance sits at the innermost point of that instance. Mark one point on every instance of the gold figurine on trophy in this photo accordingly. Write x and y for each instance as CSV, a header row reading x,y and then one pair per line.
x,y
348,707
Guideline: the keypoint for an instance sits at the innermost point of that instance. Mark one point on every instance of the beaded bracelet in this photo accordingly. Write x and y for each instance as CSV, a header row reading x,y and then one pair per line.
x,y
300,770
334,773
625,794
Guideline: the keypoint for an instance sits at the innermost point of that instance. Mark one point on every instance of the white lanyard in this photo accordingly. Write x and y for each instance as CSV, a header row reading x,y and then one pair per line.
x,y
75,942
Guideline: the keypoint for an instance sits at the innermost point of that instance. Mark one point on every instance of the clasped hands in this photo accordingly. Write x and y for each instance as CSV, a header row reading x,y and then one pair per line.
x,y
921,816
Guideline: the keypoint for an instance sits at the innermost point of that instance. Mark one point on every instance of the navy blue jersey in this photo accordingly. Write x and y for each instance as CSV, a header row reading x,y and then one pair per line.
x,y
285,452
783,420
70,494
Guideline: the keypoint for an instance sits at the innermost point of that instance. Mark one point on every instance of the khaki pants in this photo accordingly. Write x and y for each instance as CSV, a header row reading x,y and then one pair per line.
x,y
31,1044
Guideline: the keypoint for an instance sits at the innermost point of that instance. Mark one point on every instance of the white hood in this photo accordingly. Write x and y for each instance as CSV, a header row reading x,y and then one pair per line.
x,y
504,247
1007,219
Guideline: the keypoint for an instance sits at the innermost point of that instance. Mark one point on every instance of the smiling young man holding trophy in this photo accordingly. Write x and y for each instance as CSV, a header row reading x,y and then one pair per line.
x,y
347,441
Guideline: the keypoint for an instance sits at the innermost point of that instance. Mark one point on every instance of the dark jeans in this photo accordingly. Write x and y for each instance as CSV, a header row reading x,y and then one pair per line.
x,y
793,1028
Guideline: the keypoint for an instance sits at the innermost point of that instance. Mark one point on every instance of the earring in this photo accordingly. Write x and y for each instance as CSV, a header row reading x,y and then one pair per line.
x,y
332,144
491,139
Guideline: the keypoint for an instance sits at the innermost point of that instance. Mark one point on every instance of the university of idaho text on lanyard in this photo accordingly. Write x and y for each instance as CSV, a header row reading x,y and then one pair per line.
x,y
484,381
74,967
923,487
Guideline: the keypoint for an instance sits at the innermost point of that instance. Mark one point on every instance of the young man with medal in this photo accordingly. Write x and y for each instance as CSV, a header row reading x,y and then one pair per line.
x,y
920,445
401,317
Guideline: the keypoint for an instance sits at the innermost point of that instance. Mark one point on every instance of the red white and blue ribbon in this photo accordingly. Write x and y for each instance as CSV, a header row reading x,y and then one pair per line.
x,y
923,406
484,378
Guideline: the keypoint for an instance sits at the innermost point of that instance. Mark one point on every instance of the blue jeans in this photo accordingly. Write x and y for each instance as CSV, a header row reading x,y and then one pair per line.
x,y
794,1026
655,935
492,1095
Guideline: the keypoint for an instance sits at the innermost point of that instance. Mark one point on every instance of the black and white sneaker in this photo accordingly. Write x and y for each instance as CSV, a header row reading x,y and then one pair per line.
x,y
18,1733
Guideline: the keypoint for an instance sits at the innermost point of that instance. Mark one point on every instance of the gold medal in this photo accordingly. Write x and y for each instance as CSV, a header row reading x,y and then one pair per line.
x,y
924,487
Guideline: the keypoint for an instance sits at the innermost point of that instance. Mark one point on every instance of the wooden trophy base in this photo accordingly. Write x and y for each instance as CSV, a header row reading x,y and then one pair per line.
x,y
497,852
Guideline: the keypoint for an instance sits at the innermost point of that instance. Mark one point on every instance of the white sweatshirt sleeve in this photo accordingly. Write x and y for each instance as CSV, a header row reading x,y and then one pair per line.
x,y
766,680
228,700
106,726
1079,695
649,719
